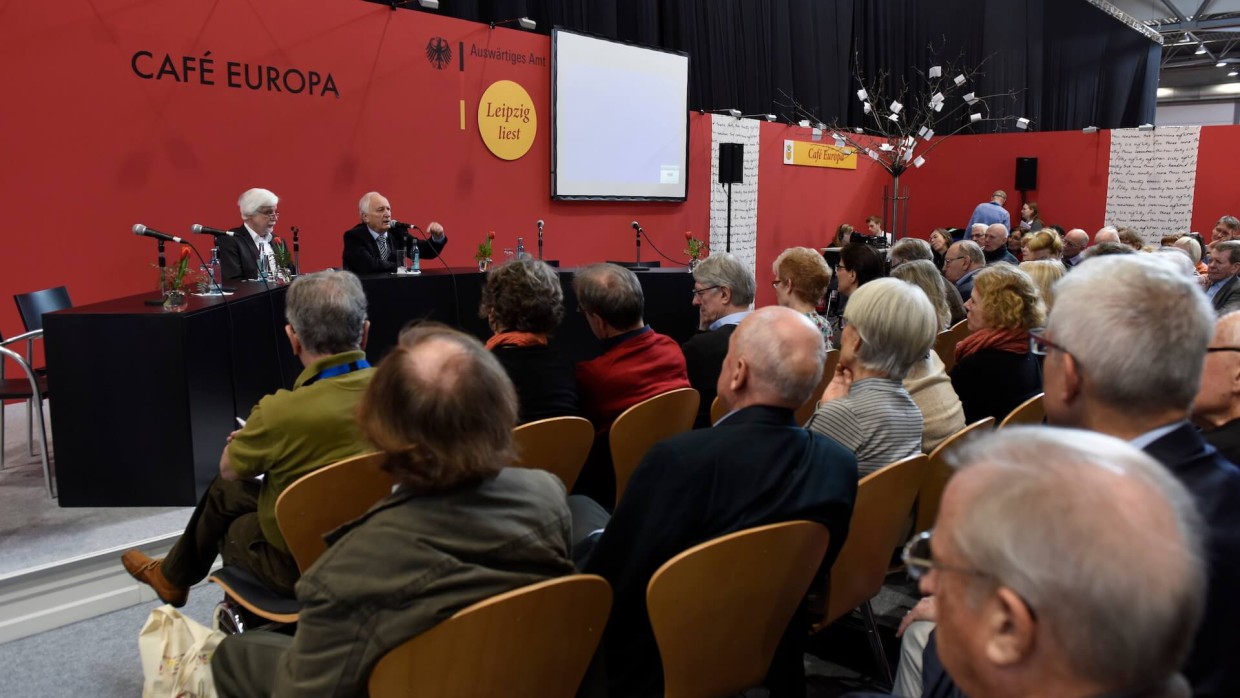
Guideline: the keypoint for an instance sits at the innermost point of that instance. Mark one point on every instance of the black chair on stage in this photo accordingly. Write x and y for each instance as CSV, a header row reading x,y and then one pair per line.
x,y
32,306
33,389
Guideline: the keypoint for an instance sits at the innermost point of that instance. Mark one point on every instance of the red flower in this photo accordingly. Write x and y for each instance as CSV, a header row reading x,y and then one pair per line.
x,y
184,253
277,242
688,235
491,235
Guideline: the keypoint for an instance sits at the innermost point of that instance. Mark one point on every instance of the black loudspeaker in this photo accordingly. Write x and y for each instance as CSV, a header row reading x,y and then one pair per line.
x,y
1026,174
731,163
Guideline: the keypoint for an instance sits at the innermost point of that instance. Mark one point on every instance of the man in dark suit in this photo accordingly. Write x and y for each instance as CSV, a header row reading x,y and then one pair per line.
x,y
1142,393
1216,409
1220,281
723,290
755,467
239,253
373,245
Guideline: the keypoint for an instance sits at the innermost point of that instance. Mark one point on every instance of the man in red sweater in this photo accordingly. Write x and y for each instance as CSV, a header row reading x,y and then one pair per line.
x,y
637,364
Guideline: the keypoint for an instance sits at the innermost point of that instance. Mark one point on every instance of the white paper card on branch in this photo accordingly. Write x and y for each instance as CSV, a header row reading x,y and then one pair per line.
x,y
803,123
968,97
922,131
885,147
862,95
894,117
1151,179
960,80
936,71
873,155
919,162
975,117
866,108
928,134
895,107
938,106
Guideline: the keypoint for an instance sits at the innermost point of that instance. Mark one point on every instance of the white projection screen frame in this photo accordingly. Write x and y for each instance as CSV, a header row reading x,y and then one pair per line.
x,y
619,120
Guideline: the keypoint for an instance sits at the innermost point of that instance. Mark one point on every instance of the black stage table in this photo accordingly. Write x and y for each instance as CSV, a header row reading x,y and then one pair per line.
x,y
142,400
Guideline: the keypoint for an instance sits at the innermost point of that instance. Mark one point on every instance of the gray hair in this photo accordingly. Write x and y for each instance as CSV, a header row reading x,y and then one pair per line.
x,y
611,292
1179,257
723,269
909,249
923,274
1115,510
327,310
973,251
1191,246
363,205
253,199
897,325
1231,247
1138,329
788,366
1231,223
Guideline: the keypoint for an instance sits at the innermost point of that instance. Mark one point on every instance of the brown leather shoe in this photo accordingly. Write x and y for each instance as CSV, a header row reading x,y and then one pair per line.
x,y
149,572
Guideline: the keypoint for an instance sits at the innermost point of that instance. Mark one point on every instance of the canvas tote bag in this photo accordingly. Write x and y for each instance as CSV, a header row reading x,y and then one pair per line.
x,y
176,655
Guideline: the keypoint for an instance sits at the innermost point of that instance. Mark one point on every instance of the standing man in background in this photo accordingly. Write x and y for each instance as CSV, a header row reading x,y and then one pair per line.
x,y
372,246
251,241
991,212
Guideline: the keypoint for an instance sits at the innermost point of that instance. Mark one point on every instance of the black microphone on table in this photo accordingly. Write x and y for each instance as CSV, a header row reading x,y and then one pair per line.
x,y
637,227
208,230
143,231
540,228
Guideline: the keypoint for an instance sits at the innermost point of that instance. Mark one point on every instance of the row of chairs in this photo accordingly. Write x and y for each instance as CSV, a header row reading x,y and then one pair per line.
x,y
31,387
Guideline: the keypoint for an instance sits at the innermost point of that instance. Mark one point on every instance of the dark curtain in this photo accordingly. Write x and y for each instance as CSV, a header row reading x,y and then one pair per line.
x,y
1067,64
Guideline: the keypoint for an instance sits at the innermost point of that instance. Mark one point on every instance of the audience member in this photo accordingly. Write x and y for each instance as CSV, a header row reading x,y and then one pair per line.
x,y
1132,238
761,467
1106,234
889,326
1142,393
977,233
859,264
1216,409
994,370
874,229
1044,244
842,235
1220,282
908,249
1045,273
963,262
723,291
994,246
251,243
1178,257
1227,228
460,527
940,240
523,304
1074,243
1030,221
375,245
1102,249
927,381
1016,241
801,280
1193,248
921,273
1018,612
991,212
288,434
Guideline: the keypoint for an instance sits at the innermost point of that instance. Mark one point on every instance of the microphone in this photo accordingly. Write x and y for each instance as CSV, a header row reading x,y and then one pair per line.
x,y
143,231
637,227
208,230
540,238
401,224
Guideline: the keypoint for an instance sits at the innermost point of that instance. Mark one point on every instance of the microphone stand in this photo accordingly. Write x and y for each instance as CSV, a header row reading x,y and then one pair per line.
x,y
163,264
296,250
638,266
540,255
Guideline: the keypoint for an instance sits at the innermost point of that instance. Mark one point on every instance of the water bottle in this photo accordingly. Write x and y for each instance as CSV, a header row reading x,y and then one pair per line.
x,y
213,271
417,259
520,248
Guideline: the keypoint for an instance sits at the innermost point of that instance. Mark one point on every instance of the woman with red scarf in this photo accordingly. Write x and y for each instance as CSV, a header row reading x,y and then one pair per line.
x,y
995,370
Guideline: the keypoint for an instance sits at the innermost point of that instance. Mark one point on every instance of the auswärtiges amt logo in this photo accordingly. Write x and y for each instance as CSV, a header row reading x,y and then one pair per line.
x,y
438,52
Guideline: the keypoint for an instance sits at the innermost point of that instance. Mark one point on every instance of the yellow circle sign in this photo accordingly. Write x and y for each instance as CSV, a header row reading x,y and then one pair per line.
x,y
507,120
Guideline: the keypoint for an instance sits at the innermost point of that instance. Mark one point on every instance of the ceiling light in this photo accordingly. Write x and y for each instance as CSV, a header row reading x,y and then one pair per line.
x,y
1201,48
1221,64
1232,74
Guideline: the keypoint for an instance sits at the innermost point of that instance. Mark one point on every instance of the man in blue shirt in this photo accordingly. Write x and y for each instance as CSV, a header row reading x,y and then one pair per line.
x,y
992,211
1220,281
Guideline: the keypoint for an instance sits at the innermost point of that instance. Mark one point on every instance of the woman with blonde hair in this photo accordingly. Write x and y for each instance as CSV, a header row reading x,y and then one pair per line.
x,y
995,371
801,280
944,296
1044,244
1045,272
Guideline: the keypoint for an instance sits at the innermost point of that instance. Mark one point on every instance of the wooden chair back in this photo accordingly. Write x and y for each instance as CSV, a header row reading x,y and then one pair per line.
x,y
1031,411
327,498
804,412
938,472
559,445
884,502
945,344
716,410
645,424
532,642
719,609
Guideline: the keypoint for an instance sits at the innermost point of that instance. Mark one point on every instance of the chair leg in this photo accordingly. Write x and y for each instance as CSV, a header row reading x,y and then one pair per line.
x,y
47,469
1,435
30,426
876,643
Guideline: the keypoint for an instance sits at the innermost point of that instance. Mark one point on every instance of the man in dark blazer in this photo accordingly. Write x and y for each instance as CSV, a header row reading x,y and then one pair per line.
x,y
1220,281
239,252
755,467
723,290
1216,409
373,245
1142,394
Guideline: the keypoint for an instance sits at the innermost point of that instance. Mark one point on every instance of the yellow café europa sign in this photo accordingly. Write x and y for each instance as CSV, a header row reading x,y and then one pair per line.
x,y
819,155
507,120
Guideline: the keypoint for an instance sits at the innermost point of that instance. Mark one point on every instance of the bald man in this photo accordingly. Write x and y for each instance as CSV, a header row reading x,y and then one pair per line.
x,y
1107,234
1074,243
1216,409
994,245
762,468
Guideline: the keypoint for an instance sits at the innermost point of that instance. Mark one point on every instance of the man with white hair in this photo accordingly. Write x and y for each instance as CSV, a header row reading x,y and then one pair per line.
x,y
994,245
990,212
1074,243
1100,598
1142,394
377,243
756,466
250,246
963,261
1106,234
1216,409
977,233
723,290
